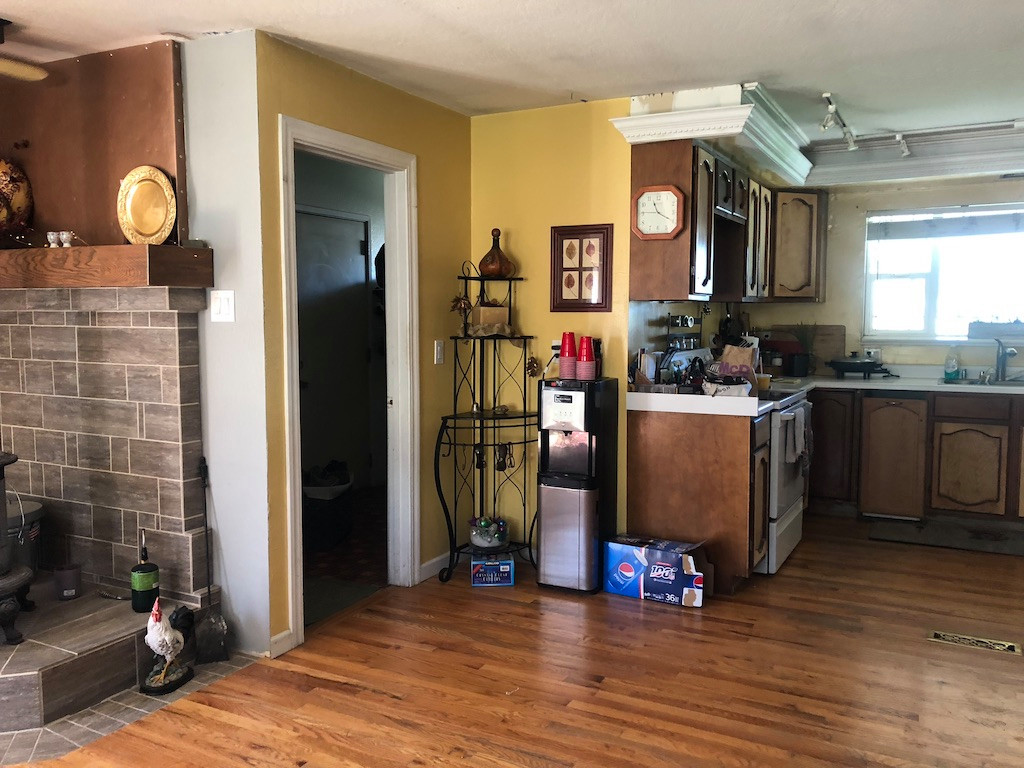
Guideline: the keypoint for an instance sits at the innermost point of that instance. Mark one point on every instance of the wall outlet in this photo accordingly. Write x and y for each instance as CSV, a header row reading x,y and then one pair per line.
x,y
438,351
874,353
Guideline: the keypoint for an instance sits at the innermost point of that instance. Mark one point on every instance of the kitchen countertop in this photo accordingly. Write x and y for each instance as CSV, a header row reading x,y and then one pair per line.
x,y
909,384
753,407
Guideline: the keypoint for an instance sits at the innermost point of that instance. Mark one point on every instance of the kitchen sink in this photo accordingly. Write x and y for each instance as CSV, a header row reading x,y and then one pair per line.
x,y
982,383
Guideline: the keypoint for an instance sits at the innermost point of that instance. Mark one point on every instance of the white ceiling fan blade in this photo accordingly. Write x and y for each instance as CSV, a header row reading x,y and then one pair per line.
x,y
21,70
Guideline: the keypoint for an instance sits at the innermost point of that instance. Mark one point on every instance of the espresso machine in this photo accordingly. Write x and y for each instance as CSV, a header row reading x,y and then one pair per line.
x,y
578,441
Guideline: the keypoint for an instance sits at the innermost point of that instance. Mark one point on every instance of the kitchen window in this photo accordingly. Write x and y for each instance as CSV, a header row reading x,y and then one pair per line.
x,y
930,272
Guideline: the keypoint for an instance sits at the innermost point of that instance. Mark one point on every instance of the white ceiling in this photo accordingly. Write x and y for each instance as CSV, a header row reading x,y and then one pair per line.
x,y
892,65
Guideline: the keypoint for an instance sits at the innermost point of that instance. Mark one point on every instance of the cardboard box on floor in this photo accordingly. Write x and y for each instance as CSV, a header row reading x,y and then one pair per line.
x,y
665,571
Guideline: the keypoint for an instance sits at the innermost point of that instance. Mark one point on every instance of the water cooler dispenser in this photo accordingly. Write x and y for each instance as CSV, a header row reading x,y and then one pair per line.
x,y
578,440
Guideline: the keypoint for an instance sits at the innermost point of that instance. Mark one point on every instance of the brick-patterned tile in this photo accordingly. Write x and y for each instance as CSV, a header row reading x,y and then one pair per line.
x,y
21,342
102,380
137,346
48,317
39,377
140,319
111,489
13,299
23,443
119,461
65,379
145,383
52,484
155,459
81,318
93,299
48,298
10,376
21,410
51,447
54,343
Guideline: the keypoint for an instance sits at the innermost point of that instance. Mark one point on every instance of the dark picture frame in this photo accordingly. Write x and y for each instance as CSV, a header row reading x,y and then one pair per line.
x,y
581,268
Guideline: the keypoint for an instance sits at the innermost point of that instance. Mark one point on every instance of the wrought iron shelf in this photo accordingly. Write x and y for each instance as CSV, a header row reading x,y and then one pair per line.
x,y
486,451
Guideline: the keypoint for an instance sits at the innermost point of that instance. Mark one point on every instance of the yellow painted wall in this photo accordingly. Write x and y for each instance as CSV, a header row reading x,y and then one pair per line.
x,y
300,84
560,166
844,290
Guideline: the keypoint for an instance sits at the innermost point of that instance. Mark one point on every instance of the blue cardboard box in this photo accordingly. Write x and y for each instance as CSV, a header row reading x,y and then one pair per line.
x,y
492,572
655,569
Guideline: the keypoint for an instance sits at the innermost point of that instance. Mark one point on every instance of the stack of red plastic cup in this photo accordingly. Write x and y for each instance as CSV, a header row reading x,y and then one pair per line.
x,y
567,356
586,365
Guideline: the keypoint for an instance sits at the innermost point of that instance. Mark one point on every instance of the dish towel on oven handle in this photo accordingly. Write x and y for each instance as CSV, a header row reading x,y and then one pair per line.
x,y
795,436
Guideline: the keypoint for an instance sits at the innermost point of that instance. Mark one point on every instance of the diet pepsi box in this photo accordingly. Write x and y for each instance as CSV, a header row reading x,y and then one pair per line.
x,y
655,569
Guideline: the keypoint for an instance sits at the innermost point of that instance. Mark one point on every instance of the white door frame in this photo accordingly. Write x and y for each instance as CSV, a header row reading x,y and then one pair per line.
x,y
401,303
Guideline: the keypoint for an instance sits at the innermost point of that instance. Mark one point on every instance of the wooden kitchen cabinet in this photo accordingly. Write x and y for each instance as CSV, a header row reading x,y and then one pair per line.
x,y
969,467
659,270
731,185
760,466
799,245
684,494
704,202
836,440
892,456
756,278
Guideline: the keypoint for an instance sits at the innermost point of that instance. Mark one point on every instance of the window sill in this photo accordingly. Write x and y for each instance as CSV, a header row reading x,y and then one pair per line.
x,y
904,341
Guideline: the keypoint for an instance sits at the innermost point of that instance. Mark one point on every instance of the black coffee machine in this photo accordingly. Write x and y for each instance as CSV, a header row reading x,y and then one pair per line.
x,y
576,498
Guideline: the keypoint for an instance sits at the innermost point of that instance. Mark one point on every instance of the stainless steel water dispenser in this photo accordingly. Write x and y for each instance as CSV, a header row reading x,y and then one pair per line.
x,y
578,439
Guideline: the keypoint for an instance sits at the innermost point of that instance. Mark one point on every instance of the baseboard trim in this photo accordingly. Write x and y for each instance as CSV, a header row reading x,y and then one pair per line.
x,y
282,642
431,568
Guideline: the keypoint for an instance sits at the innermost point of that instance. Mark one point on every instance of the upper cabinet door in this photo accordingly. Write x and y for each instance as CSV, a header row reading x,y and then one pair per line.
x,y
764,242
725,192
751,274
740,197
799,246
703,268
659,270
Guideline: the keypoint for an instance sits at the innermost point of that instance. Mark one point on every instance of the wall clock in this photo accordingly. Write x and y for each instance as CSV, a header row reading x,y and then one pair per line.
x,y
657,212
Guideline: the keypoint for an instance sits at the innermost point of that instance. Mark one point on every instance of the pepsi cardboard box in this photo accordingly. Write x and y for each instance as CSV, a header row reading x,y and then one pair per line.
x,y
492,572
656,569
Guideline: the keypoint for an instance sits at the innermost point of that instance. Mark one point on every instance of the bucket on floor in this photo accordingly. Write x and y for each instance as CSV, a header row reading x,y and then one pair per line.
x,y
68,582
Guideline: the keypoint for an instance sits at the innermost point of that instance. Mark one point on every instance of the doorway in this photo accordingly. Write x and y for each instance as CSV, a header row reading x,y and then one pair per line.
x,y
384,446
339,225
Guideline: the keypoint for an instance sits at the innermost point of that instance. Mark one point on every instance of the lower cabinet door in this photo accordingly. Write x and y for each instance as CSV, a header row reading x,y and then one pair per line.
x,y
892,471
969,467
761,461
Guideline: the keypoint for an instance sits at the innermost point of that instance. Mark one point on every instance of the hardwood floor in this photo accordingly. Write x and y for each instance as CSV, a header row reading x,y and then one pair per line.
x,y
825,663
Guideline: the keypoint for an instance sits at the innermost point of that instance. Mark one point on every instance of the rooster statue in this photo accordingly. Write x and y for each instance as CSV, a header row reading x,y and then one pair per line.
x,y
167,642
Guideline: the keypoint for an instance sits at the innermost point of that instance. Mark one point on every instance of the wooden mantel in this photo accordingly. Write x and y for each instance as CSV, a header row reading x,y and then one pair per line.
x,y
107,266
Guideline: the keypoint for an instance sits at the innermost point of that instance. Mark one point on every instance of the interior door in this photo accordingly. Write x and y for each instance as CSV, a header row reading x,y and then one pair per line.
x,y
333,289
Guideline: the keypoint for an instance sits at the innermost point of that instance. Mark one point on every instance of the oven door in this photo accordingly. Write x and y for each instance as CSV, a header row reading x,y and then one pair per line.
x,y
790,439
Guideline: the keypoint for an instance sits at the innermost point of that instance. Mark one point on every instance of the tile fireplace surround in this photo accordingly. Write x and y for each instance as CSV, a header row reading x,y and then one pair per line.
x,y
99,399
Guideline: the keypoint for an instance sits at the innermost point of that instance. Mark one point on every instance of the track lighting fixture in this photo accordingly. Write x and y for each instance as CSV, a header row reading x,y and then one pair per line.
x,y
832,117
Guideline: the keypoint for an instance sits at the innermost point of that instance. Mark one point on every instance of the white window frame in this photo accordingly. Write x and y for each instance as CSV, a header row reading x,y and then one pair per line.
x,y
927,335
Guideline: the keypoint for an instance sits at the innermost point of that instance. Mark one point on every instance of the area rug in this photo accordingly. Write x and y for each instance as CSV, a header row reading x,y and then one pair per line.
x,y
977,536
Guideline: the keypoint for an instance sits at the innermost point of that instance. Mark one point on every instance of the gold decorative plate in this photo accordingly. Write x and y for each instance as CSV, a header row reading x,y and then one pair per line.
x,y
146,207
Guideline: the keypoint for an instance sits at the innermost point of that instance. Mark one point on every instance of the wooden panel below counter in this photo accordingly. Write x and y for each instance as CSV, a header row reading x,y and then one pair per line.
x,y
688,479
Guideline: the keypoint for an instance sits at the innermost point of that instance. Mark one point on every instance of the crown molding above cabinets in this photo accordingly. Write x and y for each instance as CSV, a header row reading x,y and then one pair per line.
x,y
967,151
745,120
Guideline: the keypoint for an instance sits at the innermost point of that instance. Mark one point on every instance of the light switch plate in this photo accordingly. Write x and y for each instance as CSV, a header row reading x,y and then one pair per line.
x,y
438,351
222,306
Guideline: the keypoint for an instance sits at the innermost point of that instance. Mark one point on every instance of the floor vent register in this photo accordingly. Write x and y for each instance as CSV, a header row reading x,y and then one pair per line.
x,y
1003,646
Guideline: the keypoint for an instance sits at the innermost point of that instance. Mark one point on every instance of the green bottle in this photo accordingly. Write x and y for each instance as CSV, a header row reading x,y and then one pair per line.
x,y
145,581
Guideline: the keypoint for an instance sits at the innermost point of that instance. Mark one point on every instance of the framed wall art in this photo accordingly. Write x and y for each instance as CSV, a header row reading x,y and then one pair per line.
x,y
581,268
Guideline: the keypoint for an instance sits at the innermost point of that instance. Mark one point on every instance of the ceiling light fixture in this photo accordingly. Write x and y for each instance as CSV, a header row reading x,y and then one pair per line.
x,y
832,117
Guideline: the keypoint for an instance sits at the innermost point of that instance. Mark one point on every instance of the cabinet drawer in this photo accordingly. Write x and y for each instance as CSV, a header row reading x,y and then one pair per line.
x,y
991,407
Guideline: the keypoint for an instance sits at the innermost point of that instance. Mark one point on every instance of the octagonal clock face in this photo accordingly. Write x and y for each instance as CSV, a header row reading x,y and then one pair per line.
x,y
657,212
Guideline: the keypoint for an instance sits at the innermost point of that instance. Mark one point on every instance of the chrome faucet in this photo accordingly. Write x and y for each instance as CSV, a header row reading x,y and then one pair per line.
x,y
1003,354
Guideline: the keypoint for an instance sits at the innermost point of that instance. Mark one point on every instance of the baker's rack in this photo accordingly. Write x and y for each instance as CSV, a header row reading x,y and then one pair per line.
x,y
486,436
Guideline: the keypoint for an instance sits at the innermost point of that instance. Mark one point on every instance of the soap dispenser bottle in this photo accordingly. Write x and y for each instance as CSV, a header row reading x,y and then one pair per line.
x,y
952,367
